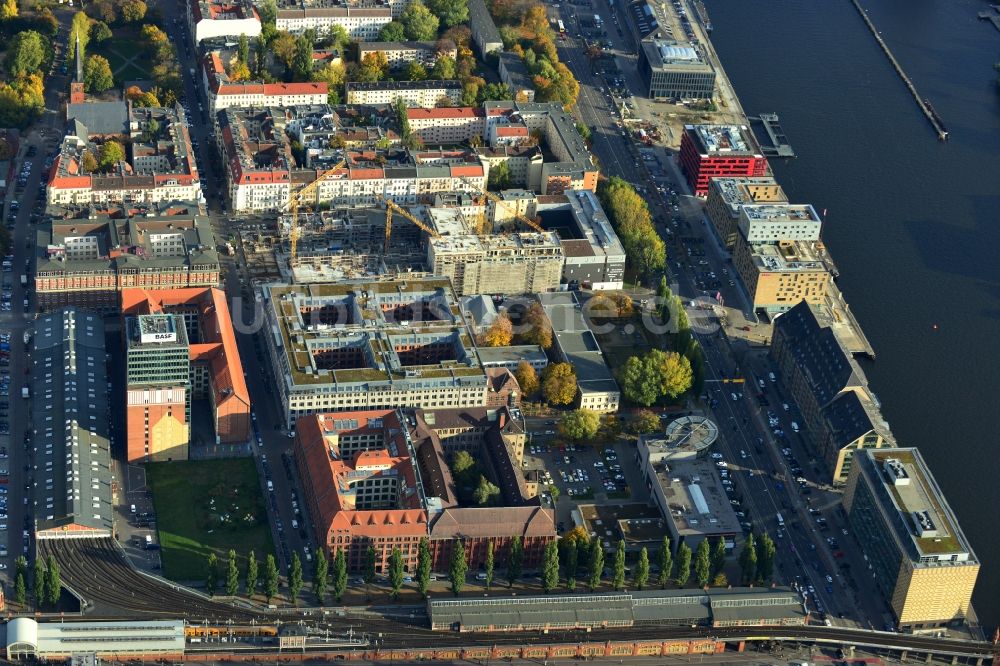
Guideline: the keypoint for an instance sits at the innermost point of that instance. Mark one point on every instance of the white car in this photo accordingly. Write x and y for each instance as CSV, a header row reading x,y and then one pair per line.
x,y
717,456
721,463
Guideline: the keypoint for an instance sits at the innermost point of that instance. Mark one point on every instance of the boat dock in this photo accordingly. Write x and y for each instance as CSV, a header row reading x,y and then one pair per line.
x,y
779,142
924,104
993,17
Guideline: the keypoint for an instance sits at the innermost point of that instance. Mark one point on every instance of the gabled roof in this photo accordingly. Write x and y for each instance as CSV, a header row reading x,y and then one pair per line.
x,y
485,522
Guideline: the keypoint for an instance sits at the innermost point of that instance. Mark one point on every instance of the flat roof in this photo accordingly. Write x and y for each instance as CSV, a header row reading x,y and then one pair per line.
x,y
577,342
920,505
697,503
739,191
513,354
787,257
668,55
686,435
723,140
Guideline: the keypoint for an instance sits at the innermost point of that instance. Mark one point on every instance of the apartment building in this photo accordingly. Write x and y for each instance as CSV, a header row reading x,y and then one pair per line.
x,y
773,222
400,54
258,160
516,263
159,163
85,255
719,151
354,127
485,35
180,346
362,344
515,74
447,125
921,561
212,19
727,195
224,93
840,412
778,275
424,94
362,23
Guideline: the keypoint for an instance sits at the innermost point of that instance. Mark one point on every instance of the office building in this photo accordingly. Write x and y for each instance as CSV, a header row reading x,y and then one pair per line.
x,y
727,195
71,493
212,19
159,163
821,375
179,347
517,263
364,344
85,255
484,29
512,356
577,345
777,275
921,562
425,94
773,222
719,151
400,54
595,258
674,71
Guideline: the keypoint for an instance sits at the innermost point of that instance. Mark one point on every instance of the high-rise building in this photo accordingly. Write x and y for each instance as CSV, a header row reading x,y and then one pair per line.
x,y
921,561
180,347
718,151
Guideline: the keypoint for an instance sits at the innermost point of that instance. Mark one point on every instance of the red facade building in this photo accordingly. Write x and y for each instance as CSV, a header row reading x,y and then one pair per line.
x,y
719,151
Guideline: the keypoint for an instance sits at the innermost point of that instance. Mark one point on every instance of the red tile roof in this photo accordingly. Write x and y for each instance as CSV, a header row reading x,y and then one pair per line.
x,y
445,112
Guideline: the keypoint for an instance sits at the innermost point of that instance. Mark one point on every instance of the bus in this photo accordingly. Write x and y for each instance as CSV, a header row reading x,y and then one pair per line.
x,y
781,521
562,29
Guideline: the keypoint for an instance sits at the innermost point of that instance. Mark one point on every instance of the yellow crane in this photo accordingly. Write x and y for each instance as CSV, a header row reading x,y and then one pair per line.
x,y
392,207
295,201
500,202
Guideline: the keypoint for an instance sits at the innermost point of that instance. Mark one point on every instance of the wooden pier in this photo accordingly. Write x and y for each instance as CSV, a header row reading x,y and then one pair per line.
x,y
924,104
993,17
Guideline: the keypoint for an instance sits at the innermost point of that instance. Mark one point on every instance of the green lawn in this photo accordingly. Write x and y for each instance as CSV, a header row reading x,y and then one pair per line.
x,y
204,506
120,51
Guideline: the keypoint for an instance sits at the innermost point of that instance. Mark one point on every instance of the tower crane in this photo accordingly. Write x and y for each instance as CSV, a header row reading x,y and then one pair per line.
x,y
500,202
392,207
295,201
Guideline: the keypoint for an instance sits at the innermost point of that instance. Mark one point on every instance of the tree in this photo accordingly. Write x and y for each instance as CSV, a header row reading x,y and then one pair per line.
x,y
527,378
499,178
20,590
720,580
8,10
499,334
271,578
320,579
418,22
624,306
444,68
515,560
239,71
718,555
675,373
338,38
369,571
580,424
232,575
765,558
423,566
339,575
494,91
702,563
53,582
664,559
396,571
102,10
645,421
572,564
550,567
393,31
26,53
486,493
211,574
156,41
415,71
39,582
133,11
554,492
463,468
683,573
459,567
595,566
333,73
302,62
559,383
748,560
641,575
97,75
537,327
584,131
100,32
489,565
109,154
243,49
664,299
79,31
618,582
283,48
450,12
638,381
251,574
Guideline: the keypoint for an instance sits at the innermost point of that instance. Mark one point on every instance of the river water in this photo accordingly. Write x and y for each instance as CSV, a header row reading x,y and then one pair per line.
x,y
913,223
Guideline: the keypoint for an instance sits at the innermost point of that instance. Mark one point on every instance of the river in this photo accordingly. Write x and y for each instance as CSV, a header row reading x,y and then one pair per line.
x,y
913,223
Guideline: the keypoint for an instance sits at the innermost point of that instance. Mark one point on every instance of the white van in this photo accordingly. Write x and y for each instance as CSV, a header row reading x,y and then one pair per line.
x,y
795,426
295,524
270,486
